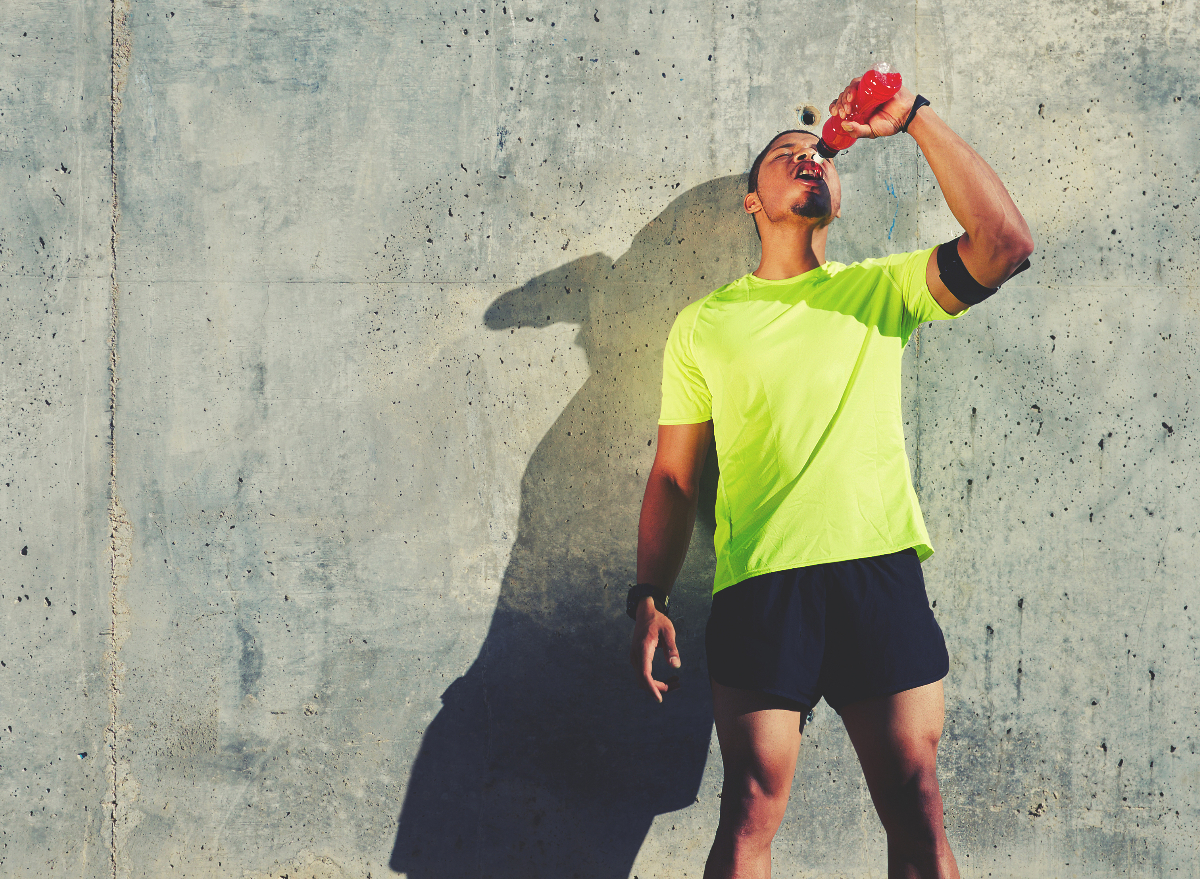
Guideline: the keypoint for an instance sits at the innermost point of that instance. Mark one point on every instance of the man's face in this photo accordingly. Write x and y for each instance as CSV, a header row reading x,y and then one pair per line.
x,y
791,180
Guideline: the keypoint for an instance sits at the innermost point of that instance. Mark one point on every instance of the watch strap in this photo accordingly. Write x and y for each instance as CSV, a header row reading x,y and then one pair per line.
x,y
643,591
918,102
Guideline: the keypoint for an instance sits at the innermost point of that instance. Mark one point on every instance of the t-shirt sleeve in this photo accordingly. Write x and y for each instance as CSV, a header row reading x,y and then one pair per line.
x,y
685,395
908,271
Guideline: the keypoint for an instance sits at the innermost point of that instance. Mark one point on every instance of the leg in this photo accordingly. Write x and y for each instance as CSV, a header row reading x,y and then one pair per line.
x,y
760,740
896,738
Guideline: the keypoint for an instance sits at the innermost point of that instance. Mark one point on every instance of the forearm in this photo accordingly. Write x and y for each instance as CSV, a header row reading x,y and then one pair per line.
x,y
664,529
997,236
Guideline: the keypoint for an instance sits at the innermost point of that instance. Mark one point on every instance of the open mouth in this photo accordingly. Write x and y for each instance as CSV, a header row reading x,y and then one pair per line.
x,y
809,171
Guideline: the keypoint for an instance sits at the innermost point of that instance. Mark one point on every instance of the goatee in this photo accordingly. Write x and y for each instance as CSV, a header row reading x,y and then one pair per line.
x,y
816,206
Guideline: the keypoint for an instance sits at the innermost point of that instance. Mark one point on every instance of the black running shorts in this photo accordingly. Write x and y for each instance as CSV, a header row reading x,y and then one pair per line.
x,y
846,631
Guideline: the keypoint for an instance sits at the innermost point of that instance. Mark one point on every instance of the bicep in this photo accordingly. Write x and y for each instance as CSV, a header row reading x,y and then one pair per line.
x,y
681,451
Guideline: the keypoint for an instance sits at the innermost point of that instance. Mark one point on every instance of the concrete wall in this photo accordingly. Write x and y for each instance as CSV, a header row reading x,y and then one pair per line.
x,y
337,590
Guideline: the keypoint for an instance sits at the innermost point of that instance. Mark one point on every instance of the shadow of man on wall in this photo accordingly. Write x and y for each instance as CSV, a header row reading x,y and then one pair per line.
x,y
546,759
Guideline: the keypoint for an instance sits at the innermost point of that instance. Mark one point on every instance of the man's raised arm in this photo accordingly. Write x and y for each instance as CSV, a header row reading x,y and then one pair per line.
x,y
664,531
996,240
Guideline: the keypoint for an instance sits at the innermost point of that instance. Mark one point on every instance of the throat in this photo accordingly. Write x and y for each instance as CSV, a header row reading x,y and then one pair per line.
x,y
791,249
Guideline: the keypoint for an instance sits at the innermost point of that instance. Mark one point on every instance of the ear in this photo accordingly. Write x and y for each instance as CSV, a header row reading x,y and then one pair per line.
x,y
752,204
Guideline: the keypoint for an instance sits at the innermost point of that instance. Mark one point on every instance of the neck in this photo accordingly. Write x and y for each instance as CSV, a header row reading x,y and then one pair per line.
x,y
787,253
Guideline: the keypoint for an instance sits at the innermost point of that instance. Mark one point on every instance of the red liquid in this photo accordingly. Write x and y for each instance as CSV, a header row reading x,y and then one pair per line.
x,y
873,89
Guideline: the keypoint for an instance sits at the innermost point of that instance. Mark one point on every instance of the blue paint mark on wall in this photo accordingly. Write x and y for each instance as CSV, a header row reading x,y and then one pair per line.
x,y
892,192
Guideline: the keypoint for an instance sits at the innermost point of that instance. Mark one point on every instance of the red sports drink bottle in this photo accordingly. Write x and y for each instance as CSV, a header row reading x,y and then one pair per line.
x,y
878,84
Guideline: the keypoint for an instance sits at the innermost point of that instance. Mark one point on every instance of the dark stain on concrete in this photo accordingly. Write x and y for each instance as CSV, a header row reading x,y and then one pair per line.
x,y
250,661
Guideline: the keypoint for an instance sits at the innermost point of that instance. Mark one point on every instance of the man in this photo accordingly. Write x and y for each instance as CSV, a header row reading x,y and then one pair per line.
x,y
794,371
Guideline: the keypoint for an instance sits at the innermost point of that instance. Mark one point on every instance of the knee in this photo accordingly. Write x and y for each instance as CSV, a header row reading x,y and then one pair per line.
x,y
914,814
752,813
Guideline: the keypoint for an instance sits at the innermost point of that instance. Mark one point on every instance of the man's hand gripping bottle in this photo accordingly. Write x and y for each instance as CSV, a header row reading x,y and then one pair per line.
x,y
878,84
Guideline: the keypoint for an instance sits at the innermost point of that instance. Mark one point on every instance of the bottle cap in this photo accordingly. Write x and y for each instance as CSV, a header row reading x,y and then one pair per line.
x,y
825,151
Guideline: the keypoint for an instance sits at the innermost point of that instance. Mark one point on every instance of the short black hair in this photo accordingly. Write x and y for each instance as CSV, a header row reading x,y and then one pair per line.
x,y
753,182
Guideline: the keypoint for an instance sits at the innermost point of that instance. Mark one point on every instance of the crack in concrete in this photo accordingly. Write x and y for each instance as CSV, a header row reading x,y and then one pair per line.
x,y
120,529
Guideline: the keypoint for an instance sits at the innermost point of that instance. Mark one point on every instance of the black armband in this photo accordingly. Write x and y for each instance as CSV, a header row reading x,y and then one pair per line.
x,y
959,281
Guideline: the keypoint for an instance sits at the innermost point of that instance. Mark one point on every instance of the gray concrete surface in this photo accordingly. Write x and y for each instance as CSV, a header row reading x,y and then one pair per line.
x,y
339,589
55,281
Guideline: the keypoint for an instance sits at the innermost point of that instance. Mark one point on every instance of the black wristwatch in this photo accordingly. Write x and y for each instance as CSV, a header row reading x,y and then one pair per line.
x,y
918,102
643,591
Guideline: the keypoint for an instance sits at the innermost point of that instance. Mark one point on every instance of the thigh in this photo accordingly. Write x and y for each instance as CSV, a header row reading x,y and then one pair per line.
x,y
759,735
897,736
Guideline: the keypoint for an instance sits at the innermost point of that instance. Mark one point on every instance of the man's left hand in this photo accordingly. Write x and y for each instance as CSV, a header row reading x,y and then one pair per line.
x,y
651,631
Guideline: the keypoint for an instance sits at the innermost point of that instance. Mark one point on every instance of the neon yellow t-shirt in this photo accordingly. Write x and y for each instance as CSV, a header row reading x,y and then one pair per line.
x,y
801,379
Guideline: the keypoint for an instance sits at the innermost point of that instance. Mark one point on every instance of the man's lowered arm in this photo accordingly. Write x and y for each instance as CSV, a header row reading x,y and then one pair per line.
x,y
664,532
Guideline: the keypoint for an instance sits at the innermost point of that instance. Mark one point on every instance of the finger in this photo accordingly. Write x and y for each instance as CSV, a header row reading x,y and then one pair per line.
x,y
668,638
838,106
656,688
857,129
650,685
849,94
648,669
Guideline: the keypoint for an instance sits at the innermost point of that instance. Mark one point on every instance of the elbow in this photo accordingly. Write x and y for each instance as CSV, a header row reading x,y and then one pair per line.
x,y
1018,237
1021,247
1019,254
687,488
1012,244
1013,237
682,485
